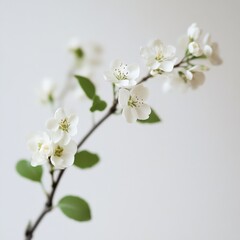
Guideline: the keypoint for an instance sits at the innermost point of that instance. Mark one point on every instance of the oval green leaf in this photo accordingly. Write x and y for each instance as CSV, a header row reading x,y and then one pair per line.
x,y
153,118
87,86
75,208
98,104
25,169
85,159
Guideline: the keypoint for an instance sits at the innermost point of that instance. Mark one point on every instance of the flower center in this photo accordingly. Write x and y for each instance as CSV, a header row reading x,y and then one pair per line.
x,y
58,151
64,125
135,102
39,146
121,73
159,57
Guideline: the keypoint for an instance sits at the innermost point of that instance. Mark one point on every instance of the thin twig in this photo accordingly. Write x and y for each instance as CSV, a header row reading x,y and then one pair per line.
x,y
49,203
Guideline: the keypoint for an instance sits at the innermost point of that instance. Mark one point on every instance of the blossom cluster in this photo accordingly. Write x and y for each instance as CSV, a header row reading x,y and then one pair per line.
x,y
56,145
161,60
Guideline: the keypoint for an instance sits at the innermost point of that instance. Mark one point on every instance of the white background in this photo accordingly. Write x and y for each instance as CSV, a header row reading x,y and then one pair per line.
x,y
178,180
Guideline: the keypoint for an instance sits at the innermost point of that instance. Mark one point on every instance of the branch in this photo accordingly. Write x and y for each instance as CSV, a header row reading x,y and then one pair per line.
x,y
49,203
47,208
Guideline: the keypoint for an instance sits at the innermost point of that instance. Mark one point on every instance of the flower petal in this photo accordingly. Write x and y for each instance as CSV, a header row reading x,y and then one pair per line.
x,y
68,160
157,45
123,97
52,124
134,71
72,130
57,136
169,51
143,111
38,159
108,75
122,83
145,52
70,148
116,64
140,91
129,114
167,66
65,138
57,162
73,119
215,59
198,80
60,114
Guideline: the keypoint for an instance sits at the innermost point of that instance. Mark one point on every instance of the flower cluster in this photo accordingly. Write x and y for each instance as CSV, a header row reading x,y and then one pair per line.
x,y
131,97
161,60
159,57
189,73
56,145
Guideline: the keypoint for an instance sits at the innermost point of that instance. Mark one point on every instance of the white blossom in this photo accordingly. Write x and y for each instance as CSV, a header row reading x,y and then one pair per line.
x,y
182,80
47,91
133,103
195,49
122,75
41,147
211,50
159,57
63,154
194,32
62,126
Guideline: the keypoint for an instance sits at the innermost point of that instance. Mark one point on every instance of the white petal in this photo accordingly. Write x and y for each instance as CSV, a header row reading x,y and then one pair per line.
x,y
134,71
215,58
154,64
116,64
57,136
167,66
57,162
32,144
108,75
169,52
188,75
52,124
129,114
207,39
132,83
73,119
70,148
72,130
157,45
140,91
123,97
60,114
122,83
145,52
68,160
143,111
38,159
198,80
207,50
65,138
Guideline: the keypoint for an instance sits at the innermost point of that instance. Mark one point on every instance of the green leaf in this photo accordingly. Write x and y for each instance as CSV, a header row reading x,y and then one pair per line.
x,y
75,208
87,86
85,159
25,169
153,118
98,104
